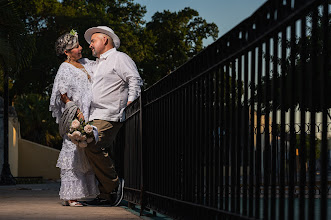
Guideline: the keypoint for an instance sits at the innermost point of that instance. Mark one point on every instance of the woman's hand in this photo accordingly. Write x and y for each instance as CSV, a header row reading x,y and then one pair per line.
x,y
64,98
80,115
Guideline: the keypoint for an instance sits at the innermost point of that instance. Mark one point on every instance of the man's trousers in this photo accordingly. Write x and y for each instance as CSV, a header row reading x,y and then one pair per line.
x,y
101,157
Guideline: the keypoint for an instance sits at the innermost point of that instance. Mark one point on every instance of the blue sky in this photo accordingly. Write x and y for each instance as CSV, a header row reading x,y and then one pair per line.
x,y
226,14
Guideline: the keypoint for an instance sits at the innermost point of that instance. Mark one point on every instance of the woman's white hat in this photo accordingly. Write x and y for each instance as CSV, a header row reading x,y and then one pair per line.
x,y
105,30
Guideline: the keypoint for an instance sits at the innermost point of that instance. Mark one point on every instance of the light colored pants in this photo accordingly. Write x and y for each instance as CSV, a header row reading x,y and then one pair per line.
x,y
101,158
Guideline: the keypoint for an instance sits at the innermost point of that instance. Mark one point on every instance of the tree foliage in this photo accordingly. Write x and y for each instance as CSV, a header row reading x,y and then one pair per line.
x,y
174,37
158,47
16,44
307,58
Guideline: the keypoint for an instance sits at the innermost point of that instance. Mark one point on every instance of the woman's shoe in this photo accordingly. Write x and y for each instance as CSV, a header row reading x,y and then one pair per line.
x,y
72,203
75,204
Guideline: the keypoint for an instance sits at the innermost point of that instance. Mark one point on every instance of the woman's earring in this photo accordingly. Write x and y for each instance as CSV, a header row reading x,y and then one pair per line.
x,y
68,59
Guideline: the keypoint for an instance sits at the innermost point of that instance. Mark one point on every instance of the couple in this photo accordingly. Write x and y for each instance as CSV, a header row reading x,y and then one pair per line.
x,y
100,90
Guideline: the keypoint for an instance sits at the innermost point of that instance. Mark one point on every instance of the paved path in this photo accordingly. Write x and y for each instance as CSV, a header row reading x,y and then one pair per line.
x,y
41,201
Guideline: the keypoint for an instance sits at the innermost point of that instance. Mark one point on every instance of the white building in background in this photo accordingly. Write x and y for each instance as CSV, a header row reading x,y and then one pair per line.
x,y
26,159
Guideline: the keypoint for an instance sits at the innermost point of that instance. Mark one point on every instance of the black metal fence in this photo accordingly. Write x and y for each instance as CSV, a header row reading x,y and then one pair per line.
x,y
242,130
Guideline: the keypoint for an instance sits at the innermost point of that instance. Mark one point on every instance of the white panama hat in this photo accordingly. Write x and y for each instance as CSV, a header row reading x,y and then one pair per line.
x,y
105,30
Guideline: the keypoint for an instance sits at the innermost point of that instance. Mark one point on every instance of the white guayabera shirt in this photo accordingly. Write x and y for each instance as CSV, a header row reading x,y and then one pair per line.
x,y
115,82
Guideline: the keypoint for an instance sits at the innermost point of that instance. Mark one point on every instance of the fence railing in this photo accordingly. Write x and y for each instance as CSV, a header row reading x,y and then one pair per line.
x,y
222,137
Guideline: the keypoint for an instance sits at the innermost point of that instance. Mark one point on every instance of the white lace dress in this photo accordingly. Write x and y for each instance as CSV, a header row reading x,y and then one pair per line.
x,y
77,178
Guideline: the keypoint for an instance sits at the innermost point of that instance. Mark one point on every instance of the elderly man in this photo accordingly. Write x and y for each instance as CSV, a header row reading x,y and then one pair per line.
x,y
115,84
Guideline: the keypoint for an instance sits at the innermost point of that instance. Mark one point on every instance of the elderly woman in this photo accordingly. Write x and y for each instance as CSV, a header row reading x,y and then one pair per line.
x,y
73,84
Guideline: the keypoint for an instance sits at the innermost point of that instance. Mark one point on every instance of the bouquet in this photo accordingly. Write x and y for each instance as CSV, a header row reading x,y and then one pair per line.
x,y
81,133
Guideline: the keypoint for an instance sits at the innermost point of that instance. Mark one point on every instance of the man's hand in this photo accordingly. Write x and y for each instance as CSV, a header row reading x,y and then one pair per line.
x,y
128,103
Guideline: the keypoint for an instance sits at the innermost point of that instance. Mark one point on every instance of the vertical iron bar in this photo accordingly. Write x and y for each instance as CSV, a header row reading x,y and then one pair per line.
x,y
222,141
187,183
193,128
200,146
204,140
164,136
252,136
135,154
195,138
192,142
258,134
149,147
179,145
171,149
227,135
217,139
177,121
184,143
312,153
239,134
324,102
174,133
131,177
274,169
282,127
212,137
208,148
233,146
141,134
174,144
266,158
292,95
246,134
157,146
302,150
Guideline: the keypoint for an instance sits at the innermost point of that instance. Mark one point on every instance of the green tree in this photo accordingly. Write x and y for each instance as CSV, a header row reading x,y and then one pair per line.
x,y
148,46
174,38
312,79
47,20
16,45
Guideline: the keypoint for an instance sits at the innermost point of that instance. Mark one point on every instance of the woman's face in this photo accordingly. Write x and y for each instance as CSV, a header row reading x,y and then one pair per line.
x,y
75,53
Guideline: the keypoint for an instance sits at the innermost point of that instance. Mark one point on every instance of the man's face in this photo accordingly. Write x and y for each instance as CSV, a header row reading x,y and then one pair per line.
x,y
97,44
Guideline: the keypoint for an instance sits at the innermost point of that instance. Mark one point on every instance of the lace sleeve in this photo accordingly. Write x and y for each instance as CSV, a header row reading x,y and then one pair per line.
x,y
62,84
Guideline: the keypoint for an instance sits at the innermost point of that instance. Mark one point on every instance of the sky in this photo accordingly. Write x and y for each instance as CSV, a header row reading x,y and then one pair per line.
x,y
226,14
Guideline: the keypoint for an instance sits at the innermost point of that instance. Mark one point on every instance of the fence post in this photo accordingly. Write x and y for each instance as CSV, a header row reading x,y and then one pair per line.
x,y
142,192
6,176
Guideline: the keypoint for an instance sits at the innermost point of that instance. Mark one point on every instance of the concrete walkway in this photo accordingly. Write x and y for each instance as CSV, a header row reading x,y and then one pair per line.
x,y
41,201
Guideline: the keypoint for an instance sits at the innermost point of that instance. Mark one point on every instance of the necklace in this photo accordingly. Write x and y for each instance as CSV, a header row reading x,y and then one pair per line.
x,y
81,67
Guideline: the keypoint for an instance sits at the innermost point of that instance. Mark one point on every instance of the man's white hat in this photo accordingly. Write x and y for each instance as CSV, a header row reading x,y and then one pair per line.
x,y
105,30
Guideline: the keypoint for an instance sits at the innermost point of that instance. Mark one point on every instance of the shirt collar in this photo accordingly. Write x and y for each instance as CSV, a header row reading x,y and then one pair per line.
x,y
106,54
